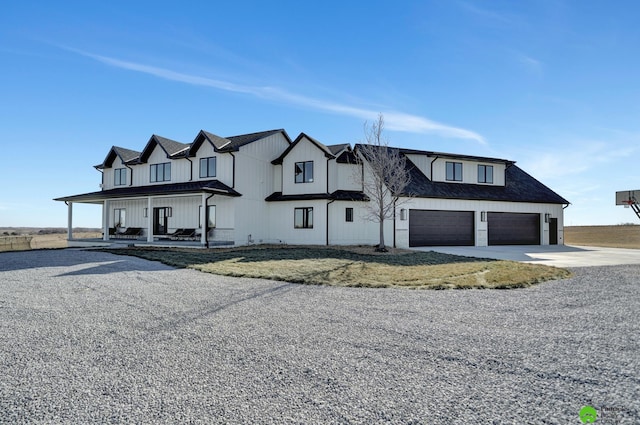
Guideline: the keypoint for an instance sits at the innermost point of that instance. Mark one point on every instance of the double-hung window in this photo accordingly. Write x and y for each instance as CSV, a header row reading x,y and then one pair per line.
x,y
304,172
160,172
120,176
454,171
485,173
208,167
303,218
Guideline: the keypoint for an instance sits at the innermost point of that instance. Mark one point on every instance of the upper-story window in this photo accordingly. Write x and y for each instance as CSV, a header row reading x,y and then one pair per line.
x,y
485,173
454,171
160,172
120,176
304,172
208,167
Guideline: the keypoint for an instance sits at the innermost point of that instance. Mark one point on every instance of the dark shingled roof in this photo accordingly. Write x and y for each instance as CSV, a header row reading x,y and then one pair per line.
x,y
170,147
327,152
245,139
444,155
336,149
338,195
347,157
210,186
230,144
519,187
127,156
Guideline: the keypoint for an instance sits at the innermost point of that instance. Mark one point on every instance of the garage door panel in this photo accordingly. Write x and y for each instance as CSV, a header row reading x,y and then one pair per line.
x,y
441,228
513,228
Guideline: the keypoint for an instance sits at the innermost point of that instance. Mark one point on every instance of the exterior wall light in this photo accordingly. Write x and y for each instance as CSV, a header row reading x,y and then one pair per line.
x,y
403,214
546,217
483,216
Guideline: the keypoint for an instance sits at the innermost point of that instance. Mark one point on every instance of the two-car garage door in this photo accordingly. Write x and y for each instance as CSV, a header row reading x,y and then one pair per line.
x,y
456,228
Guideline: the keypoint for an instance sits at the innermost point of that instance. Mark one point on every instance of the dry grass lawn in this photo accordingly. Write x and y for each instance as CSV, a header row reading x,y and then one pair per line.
x,y
355,267
626,236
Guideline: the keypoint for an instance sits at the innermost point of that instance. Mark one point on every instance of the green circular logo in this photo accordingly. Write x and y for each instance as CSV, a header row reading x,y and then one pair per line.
x,y
588,414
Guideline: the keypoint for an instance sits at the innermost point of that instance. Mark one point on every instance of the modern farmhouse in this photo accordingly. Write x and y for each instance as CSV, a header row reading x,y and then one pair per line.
x,y
265,188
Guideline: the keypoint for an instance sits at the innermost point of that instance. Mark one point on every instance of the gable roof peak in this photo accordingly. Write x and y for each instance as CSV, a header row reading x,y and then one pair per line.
x,y
170,147
127,156
327,152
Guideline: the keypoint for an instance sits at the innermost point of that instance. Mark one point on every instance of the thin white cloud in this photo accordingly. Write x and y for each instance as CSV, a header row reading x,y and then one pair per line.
x,y
394,120
530,63
489,16
575,159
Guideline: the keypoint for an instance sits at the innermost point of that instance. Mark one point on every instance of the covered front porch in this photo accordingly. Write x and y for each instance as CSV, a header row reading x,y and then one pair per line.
x,y
162,215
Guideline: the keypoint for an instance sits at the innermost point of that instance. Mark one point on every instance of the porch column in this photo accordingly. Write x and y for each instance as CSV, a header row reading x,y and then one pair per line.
x,y
70,220
203,217
105,220
149,219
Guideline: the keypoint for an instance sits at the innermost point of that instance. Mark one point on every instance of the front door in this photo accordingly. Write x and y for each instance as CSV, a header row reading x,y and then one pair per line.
x,y
159,221
553,231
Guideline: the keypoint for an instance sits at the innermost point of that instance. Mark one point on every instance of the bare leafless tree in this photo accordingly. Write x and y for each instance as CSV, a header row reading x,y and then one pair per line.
x,y
383,175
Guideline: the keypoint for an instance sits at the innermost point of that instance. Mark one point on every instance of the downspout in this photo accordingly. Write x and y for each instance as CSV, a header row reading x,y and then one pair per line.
x,y
233,175
327,228
191,168
431,165
205,225
131,182
328,159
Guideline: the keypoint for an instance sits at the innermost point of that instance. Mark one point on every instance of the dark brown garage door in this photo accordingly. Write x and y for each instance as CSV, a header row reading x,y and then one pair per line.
x,y
441,228
513,228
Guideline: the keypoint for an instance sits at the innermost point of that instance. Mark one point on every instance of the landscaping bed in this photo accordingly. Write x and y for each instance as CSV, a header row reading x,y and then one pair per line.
x,y
353,266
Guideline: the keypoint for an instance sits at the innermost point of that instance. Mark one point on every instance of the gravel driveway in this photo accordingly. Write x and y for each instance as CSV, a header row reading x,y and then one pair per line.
x,y
93,337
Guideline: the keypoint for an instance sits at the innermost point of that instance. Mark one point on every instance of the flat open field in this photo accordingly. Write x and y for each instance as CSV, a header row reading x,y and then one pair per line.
x,y
32,240
627,236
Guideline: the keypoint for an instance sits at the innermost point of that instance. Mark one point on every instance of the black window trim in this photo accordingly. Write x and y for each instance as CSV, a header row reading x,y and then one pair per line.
x,y
306,213
348,214
305,177
455,178
484,174
118,179
215,166
153,172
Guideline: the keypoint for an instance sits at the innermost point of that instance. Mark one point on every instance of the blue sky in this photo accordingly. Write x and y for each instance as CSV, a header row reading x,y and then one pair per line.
x,y
553,85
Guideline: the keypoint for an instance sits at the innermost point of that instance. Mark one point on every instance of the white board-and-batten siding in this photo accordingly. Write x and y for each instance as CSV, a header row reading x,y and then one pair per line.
x,y
304,151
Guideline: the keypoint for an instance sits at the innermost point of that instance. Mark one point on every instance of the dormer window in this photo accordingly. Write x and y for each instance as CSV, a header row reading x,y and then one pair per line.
x,y
120,177
304,172
454,171
485,173
208,167
160,172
